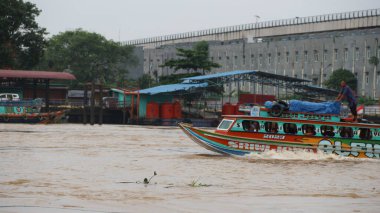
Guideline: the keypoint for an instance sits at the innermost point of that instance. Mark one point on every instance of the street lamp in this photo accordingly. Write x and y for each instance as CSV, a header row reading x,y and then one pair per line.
x,y
257,18
256,21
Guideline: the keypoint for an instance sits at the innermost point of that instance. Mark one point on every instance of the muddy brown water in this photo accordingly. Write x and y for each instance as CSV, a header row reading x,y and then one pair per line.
x,y
82,168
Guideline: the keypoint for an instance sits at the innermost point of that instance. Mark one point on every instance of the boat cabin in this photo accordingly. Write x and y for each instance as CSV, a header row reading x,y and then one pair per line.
x,y
299,124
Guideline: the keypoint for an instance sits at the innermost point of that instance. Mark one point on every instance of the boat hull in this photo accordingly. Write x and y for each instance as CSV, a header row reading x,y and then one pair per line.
x,y
33,118
240,145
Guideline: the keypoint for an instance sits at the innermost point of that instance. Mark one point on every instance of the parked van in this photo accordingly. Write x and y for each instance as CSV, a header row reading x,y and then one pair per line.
x,y
9,97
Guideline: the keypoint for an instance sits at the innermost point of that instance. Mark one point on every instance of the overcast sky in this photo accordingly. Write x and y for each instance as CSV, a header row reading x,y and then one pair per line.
x,y
133,19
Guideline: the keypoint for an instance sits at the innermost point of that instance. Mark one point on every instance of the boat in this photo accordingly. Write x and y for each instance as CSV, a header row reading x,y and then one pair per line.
x,y
282,130
27,111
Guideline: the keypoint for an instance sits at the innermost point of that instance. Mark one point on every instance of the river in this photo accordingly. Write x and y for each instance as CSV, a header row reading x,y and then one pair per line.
x,y
83,168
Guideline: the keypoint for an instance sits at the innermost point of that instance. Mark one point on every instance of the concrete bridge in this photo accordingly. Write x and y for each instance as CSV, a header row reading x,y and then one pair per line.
x,y
303,47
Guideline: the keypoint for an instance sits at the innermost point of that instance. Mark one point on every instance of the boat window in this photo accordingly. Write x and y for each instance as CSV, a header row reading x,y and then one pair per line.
x,y
251,126
225,124
346,132
327,131
290,128
308,129
271,127
365,133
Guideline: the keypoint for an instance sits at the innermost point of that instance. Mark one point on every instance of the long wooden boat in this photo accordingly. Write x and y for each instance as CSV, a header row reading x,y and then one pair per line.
x,y
240,135
35,118
27,112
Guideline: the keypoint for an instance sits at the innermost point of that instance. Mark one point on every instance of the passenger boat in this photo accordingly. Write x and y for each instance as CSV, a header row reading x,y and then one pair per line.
x,y
265,130
22,111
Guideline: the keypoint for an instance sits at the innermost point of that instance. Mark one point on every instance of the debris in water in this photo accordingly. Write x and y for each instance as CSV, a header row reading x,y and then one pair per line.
x,y
196,183
145,181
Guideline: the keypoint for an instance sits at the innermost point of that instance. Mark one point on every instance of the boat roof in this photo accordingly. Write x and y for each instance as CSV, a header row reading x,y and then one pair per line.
x,y
349,124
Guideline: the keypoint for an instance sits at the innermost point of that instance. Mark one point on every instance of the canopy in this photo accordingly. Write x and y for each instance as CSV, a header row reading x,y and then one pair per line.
x,y
36,74
171,88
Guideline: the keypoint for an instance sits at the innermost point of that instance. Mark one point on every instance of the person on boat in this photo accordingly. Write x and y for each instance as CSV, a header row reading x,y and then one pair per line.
x,y
246,126
293,128
254,126
365,133
348,94
346,132
343,132
271,127
330,131
309,130
327,131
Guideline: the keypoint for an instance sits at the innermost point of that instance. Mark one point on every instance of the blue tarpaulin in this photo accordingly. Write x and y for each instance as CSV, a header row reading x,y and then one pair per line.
x,y
329,107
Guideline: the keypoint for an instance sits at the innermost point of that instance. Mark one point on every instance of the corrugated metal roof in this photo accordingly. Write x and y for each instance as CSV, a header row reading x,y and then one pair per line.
x,y
171,88
280,77
36,74
192,82
217,75
256,73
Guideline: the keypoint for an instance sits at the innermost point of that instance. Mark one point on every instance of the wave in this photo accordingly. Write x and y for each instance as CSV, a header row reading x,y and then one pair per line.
x,y
301,155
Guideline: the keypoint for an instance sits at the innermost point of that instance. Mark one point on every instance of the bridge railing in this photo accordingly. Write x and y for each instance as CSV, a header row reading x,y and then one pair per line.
x,y
259,25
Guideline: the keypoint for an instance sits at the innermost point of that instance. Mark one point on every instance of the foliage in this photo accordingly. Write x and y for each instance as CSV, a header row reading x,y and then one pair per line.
x,y
197,183
145,81
341,75
21,39
373,60
367,101
192,95
192,59
89,56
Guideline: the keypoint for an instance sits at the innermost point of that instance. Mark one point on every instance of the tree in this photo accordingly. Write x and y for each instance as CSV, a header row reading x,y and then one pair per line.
x,y
192,59
89,56
21,39
145,81
373,61
341,75
176,78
